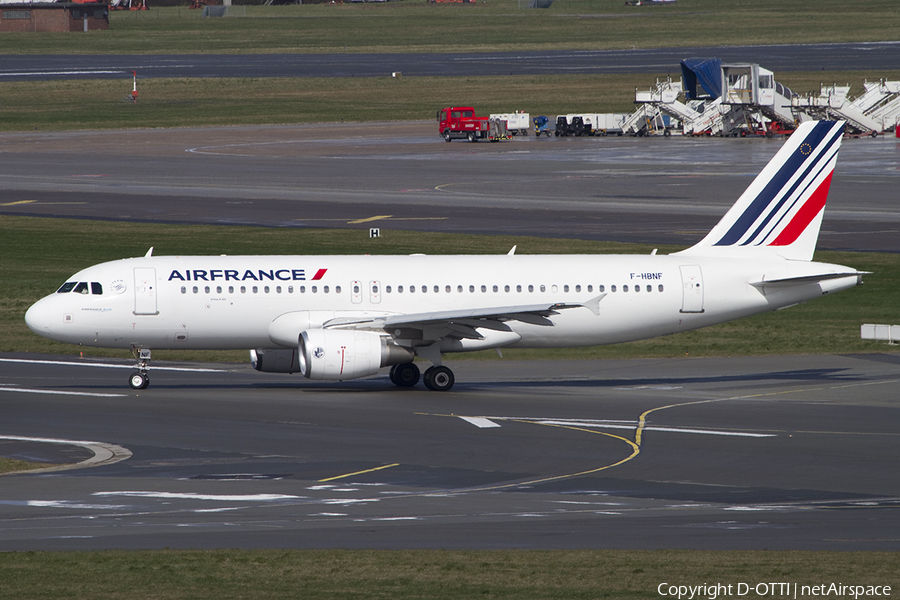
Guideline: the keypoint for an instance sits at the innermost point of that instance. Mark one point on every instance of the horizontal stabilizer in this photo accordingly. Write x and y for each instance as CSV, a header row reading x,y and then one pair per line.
x,y
807,279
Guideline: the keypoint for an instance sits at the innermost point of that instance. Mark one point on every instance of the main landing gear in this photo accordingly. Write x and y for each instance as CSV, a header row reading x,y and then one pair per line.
x,y
139,380
439,379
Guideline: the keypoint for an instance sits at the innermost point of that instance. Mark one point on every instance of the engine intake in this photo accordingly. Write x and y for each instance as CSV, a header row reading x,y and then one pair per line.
x,y
339,354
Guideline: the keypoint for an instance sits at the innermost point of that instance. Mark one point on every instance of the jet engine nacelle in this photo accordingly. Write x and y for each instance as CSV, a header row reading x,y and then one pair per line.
x,y
275,360
338,354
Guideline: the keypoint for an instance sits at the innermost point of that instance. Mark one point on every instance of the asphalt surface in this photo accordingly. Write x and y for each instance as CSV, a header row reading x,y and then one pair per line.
x,y
870,56
737,453
403,176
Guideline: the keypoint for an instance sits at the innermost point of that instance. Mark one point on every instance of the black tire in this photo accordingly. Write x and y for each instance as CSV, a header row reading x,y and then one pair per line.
x,y
472,136
405,375
447,137
138,380
439,379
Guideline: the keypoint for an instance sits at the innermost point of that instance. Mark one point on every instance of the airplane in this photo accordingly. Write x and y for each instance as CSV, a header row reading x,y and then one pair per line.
x,y
345,317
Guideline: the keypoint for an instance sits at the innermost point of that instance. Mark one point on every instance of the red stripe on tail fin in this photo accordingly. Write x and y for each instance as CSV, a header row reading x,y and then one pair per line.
x,y
805,215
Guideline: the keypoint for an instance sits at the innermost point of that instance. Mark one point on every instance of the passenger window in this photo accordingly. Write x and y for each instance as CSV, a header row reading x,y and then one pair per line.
x,y
612,288
660,287
183,290
324,289
649,288
196,289
530,288
206,289
447,289
67,287
566,288
471,289
505,288
96,288
337,289
624,288
218,289
577,288
601,288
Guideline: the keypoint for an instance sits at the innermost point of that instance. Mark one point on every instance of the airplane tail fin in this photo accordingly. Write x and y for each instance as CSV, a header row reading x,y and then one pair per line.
x,y
781,212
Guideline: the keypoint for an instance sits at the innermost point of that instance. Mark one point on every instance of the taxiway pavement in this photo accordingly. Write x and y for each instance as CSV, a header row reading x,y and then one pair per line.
x,y
768,452
404,176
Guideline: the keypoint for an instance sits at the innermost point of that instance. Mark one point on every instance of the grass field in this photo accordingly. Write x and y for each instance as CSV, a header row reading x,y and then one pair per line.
x,y
488,25
97,104
437,574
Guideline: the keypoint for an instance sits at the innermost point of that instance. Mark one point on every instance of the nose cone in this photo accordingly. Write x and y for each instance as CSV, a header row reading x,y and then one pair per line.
x,y
38,318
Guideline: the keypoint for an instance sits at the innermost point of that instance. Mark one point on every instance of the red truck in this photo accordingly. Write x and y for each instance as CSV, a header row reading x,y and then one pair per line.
x,y
460,122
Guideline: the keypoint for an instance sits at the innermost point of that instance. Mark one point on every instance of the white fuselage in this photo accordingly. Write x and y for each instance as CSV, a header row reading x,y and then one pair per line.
x,y
221,302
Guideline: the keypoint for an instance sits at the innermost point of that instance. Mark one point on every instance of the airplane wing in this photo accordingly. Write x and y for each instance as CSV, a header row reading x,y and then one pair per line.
x,y
461,324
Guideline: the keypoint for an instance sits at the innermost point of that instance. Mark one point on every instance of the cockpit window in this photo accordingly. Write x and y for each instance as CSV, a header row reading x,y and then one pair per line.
x,y
67,287
81,288
96,288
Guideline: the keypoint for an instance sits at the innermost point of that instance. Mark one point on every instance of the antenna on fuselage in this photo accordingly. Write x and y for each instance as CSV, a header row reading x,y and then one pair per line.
x,y
149,252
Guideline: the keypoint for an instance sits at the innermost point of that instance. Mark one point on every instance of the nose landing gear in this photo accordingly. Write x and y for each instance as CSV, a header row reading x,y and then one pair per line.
x,y
139,380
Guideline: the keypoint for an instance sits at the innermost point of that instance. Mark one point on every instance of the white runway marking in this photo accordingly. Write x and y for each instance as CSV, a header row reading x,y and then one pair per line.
x,y
601,424
192,496
59,392
104,365
480,422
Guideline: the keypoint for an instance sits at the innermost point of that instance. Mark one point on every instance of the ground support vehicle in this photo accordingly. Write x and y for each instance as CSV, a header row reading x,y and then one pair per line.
x,y
542,126
567,125
516,123
603,123
460,123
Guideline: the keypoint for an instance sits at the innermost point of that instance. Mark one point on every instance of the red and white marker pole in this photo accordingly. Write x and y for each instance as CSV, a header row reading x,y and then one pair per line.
x,y
134,91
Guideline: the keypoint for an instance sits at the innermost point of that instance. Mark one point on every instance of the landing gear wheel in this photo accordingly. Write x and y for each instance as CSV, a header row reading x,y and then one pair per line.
x,y
439,379
138,380
405,375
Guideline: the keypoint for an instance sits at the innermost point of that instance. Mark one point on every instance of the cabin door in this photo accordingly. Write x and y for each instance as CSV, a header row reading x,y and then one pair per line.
x,y
145,291
691,289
